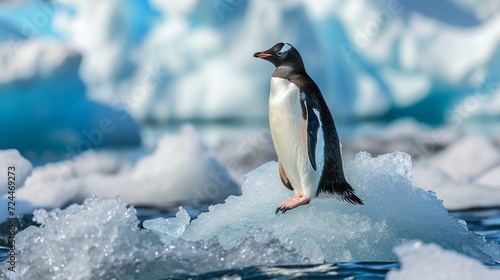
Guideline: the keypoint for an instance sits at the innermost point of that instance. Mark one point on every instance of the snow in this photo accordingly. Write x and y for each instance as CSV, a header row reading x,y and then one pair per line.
x,y
430,261
330,230
85,240
180,170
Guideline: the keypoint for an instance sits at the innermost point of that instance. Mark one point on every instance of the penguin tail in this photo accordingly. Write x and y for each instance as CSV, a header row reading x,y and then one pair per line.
x,y
347,194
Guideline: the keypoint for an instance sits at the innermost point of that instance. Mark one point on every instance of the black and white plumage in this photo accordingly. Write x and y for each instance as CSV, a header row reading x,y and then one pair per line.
x,y
303,132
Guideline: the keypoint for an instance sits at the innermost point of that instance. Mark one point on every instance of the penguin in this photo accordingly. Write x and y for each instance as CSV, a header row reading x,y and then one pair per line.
x,y
303,132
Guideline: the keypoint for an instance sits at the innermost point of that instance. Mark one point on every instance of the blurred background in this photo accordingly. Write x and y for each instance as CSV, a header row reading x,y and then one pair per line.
x,y
421,77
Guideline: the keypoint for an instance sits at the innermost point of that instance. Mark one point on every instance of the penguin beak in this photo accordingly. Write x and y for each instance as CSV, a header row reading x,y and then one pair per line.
x,y
262,55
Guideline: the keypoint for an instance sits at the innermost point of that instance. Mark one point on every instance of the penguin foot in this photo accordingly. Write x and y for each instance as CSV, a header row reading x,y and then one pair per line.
x,y
294,202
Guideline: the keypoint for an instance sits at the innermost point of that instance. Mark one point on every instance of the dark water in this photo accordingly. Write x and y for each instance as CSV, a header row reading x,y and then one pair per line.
x,y
484,221
367,270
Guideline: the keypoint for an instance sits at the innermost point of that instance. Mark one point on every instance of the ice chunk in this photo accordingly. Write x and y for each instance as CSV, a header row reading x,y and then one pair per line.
x,y
84,240
429,261
169,229
327,229
21,169
100,239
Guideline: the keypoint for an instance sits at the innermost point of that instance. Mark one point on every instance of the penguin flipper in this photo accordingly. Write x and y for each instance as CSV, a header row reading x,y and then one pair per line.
x,y
283,177
312,129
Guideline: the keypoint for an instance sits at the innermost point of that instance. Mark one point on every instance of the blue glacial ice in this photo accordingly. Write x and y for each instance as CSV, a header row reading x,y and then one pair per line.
x,y
44,109
370,58
101,237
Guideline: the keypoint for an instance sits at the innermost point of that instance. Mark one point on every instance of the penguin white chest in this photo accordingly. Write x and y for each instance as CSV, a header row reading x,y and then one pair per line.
x,y
289,134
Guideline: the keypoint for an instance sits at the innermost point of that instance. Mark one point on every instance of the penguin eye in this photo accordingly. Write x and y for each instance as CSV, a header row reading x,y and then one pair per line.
x,y
279,53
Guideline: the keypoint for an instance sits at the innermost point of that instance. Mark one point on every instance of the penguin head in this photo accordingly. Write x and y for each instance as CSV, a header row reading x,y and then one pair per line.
x,y
281,54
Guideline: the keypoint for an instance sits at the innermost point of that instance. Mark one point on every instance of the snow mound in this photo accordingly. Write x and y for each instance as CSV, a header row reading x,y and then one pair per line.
x,y
330,230
180,170
429,261
100,239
